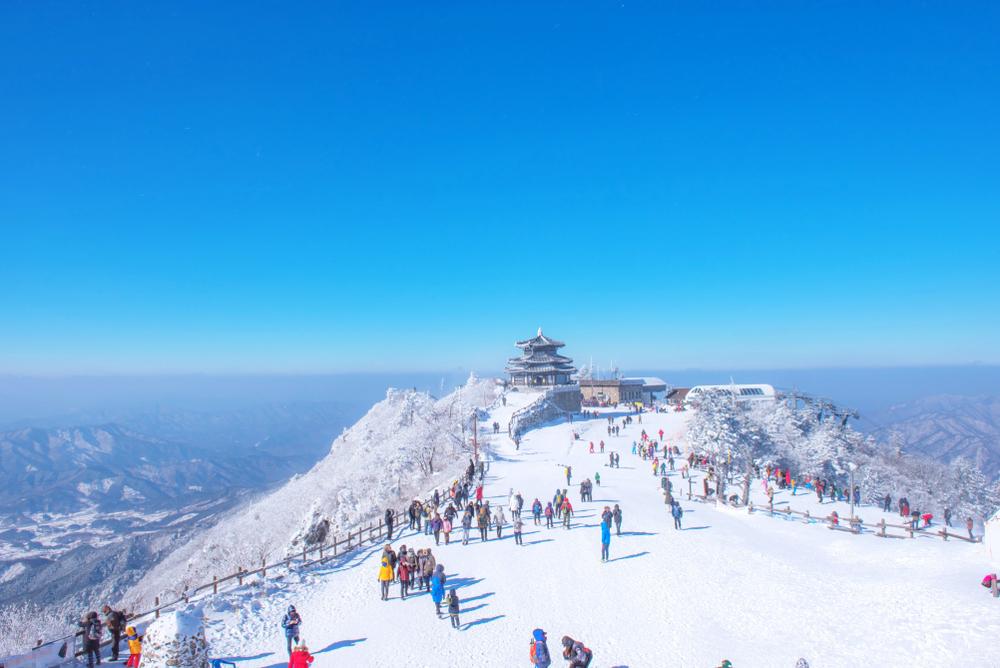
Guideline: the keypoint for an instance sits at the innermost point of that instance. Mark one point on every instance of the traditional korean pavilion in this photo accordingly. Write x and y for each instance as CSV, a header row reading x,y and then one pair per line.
x,y
540,365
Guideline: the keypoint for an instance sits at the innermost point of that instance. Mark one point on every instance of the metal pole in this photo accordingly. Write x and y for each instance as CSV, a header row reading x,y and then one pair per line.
x,y
851,492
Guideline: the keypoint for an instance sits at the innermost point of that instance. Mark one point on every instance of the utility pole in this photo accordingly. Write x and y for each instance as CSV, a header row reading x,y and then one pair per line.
x,y
475,434
852,466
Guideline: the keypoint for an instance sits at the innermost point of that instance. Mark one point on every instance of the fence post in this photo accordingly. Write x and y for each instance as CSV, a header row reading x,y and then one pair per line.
x,y
239,575
156,604
215,584
808,518
263,568
186,599
321,554
944,534
911,528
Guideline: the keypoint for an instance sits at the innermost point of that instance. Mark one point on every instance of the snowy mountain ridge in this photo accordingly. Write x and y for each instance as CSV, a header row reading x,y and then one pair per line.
x,y
405,443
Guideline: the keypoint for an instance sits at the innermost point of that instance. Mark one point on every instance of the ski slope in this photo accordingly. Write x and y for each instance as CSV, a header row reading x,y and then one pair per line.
x,y
757,590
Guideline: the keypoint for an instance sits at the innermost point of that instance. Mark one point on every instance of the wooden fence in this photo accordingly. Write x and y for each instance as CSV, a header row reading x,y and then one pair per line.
x,y
851,524
310,556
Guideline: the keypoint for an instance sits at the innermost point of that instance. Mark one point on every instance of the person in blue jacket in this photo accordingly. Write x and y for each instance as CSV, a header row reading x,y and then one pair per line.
x,y
290,622
605,539
540,655
678,513
437,588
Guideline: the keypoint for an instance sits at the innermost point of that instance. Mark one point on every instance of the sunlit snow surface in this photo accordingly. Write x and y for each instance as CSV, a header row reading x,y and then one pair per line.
x,y
757,590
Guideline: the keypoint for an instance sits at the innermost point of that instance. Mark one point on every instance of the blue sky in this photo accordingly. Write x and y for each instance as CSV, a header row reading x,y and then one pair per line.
x,y
249,187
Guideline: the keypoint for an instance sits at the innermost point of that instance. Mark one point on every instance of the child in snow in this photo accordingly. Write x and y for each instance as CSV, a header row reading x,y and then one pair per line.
x,y
597,478
134,647
518,528
301,658
453,604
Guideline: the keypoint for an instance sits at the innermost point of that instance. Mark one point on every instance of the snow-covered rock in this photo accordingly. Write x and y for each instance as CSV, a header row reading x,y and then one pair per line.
x,y
176,640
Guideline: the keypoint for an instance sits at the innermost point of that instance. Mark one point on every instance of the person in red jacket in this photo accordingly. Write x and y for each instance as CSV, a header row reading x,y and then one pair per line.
x,y
301,658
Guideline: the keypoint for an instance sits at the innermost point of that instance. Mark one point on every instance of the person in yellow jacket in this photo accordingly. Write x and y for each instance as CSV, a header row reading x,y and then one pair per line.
x,y
385,578
134,647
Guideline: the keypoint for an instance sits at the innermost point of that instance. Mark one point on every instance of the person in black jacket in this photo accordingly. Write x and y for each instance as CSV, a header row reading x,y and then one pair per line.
x,y
390,519
115,621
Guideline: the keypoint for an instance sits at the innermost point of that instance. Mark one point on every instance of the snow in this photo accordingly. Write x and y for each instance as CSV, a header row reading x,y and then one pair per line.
x,y
12,572
386,457
991,539
758,590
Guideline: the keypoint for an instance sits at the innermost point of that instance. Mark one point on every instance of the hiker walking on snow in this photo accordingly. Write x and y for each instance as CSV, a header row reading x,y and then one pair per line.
x,y
437,588
678,513
548,516
453,606
290,622
569,475
616,516
536,511
518,528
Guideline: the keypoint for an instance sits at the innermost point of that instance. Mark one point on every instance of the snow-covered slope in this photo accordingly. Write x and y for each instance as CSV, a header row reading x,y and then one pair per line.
x,y
405,443
757,590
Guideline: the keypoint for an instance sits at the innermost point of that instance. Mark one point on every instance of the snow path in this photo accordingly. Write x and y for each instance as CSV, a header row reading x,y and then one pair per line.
x,y
757,590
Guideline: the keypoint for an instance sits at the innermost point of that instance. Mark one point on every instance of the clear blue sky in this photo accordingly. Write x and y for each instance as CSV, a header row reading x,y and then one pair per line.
x,y
193,186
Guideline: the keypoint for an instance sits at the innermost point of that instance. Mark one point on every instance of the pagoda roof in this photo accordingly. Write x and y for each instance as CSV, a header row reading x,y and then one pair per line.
x,y
549,368
539,340
542,357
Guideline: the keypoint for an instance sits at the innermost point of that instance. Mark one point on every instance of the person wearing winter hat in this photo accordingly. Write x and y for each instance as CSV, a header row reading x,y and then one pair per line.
x,y
539,650
301,658
385,577
291,622
575,652
437,588
801,663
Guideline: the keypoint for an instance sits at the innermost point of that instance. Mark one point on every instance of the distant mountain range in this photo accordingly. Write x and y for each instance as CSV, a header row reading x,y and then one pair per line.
x,y
945,427
107,501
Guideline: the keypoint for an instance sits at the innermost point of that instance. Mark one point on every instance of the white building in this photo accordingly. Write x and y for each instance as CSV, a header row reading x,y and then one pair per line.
x,y
742,392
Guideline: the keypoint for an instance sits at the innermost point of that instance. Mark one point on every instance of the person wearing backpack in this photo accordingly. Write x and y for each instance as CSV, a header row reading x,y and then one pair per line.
x,y
92,631
575,652
678,513
115,621
538,651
